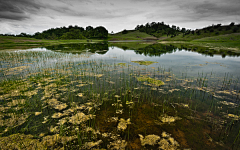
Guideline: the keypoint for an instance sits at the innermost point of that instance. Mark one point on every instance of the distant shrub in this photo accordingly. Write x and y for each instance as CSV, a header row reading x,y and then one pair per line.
x,y
198,32
235,29
216,26
232,23
217,33
124,47
124,31
228,28
219,25
211,30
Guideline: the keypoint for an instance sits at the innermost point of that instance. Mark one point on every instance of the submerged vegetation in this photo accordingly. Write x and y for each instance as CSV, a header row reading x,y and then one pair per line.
x,y
150,80
70,97
144,62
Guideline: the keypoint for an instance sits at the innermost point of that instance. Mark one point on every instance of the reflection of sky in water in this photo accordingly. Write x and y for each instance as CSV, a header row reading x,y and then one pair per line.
x,y
179,61
121,55
34,50
190,63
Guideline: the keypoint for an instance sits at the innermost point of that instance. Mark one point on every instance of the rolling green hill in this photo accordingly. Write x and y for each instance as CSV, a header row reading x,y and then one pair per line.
x,y
212,31
130,35
233,37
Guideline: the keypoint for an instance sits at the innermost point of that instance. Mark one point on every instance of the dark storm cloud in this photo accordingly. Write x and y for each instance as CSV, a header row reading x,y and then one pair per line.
x,y
17,9
38,15
24,9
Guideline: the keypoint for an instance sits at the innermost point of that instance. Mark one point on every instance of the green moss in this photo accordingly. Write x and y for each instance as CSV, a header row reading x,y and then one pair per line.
x,y
122,64
150,80
144,62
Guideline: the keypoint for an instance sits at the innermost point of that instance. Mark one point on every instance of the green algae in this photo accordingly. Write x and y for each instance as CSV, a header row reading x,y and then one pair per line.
x,y
20,141
122,64
152,81
144,62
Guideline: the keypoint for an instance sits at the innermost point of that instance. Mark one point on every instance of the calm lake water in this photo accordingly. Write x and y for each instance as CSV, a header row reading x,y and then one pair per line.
x,y
119,96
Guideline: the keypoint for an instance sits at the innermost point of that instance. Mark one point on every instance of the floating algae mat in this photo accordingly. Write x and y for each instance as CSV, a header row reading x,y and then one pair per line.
x,y
144,62
98,98
150,80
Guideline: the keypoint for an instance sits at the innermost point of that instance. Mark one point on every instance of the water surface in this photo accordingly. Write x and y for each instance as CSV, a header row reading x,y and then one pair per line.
x,y
113,96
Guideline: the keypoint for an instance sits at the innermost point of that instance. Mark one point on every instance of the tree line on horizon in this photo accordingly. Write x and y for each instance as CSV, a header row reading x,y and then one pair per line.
x,y
156,29
159,29
70,32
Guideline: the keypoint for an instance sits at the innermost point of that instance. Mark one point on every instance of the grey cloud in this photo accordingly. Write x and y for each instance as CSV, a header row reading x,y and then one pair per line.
x,y
221,8
23,9
13,16
69,2
17,9
205,9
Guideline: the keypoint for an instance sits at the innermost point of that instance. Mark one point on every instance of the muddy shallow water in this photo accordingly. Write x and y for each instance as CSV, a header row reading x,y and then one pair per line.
x,y
96,96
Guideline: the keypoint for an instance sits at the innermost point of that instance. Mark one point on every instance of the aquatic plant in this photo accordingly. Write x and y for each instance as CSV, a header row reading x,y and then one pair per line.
x,y
63,100
144,62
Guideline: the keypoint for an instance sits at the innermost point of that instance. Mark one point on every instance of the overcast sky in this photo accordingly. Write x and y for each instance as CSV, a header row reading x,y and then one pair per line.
x,y
32,16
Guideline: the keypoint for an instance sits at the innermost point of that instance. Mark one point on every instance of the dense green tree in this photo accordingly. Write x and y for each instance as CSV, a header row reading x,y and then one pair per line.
x,y
183,30
124,31
232,23
73,34
89,28
158,29
100,32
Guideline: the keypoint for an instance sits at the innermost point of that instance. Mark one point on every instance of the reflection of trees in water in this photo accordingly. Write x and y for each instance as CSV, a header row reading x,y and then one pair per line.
x,y
159,49
156,50
149,50
100,48
207,51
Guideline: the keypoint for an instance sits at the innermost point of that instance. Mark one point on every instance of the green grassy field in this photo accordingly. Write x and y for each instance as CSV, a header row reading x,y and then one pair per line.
x,y
234,37
206,37
8,42
212,31
218,38
219,42
227,41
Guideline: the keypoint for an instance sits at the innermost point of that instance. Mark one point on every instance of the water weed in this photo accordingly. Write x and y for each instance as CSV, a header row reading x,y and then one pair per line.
x,y
51,99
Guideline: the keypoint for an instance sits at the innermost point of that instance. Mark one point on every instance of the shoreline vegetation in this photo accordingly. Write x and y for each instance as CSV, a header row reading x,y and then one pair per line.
x,y
217,37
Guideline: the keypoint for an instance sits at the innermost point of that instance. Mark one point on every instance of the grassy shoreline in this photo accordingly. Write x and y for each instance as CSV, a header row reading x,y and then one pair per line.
x,y
229,42
23,43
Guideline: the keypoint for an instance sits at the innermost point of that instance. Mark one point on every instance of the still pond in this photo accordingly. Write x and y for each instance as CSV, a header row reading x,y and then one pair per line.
x,y
119,96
